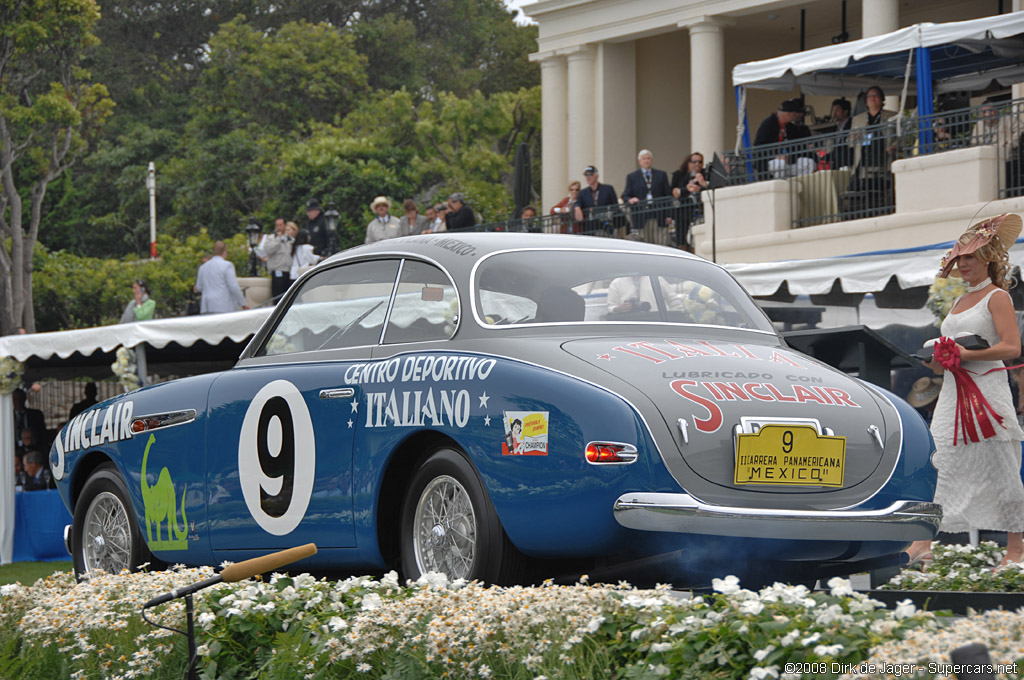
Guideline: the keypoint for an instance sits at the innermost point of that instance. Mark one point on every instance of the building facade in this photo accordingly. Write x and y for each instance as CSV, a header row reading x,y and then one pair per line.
x,y
621,75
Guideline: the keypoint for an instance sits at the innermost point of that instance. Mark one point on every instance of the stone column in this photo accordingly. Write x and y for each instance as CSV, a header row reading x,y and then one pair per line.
x,y
1017,89
554,130
581,105
877,18
707,86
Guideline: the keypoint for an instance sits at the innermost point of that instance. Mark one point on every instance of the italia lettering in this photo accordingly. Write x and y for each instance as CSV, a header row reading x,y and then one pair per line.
x,y
674,350
418,408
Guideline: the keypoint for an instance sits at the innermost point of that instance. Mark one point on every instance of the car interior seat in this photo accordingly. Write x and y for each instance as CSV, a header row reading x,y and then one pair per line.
x,y
559,303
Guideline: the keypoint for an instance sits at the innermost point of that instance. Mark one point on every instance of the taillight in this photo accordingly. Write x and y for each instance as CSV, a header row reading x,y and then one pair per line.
x,y
610,453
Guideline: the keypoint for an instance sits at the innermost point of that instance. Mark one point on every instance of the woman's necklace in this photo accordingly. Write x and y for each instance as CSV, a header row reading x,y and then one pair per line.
x,y
978,286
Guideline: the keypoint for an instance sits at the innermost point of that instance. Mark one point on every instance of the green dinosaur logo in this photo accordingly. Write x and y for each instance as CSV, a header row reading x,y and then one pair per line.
x,y
160,506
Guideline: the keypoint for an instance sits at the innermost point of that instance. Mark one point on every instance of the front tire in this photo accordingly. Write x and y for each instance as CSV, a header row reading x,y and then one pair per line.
x,y
449,525
105,534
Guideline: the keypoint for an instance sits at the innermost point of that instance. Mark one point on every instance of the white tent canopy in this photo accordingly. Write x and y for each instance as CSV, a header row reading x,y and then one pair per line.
x,y
158,333
960,59
867,273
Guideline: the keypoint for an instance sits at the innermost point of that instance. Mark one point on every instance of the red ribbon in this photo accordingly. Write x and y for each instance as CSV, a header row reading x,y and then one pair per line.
x,y
971,404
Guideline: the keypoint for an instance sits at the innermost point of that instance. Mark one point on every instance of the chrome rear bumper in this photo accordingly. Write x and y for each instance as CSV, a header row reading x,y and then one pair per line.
x,y
682,513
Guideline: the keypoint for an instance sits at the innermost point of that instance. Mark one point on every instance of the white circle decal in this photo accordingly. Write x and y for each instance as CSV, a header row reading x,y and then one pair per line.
x,y
277,457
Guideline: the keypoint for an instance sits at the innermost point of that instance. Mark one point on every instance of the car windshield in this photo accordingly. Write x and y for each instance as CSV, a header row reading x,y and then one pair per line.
x,y
579,286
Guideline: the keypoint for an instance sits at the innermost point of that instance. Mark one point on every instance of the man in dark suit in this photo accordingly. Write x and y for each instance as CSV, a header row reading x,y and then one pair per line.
x,y
589,201
37,474
781,126
460,216
90,397
316,225
642,186
27,418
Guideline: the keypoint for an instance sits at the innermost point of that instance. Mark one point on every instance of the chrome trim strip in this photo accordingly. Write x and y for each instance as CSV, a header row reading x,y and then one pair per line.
x,y
338,393
903,520
159,421
391,301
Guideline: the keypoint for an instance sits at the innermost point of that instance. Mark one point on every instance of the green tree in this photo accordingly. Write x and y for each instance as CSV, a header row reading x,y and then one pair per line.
x,y
456,46
463,144
350,171
217,183
281,80
100,207
49,110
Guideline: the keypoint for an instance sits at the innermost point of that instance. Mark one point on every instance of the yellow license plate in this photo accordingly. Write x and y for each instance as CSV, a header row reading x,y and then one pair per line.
x,y
794,455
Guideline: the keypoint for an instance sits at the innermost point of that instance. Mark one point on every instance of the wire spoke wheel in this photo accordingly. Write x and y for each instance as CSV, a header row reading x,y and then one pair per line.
x,y
107,536
445,529
105,530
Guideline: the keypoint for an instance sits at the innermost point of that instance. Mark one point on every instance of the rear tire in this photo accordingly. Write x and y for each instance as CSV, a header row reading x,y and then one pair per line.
x,y
105,532
449,525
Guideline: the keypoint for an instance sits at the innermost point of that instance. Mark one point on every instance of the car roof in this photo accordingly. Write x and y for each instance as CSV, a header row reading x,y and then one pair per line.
x,y
460,251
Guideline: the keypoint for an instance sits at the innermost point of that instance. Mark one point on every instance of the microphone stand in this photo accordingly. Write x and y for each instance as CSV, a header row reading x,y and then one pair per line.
x,y
230,574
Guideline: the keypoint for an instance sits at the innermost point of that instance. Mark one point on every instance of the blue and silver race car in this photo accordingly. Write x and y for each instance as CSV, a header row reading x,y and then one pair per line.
x,y
480,404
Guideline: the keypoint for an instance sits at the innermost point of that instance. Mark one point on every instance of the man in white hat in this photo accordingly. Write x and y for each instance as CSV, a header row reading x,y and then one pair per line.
x,y
384,225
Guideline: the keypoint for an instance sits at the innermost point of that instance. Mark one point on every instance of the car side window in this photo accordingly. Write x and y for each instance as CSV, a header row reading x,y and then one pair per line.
x,y
336,308
426,306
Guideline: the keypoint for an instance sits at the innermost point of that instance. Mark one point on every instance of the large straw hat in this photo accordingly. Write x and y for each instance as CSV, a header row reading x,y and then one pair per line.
x,y
380,199
1006,227
924,391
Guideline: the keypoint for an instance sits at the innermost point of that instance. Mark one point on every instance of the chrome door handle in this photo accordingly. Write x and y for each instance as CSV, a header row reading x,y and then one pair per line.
x,y
338,393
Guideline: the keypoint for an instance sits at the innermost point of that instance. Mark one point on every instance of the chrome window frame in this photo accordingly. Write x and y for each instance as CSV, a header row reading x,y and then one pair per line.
x,y
474,291
262,336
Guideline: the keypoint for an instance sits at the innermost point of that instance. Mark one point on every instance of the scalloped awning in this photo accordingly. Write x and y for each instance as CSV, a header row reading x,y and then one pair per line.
x,y
867,273
184,331
965,55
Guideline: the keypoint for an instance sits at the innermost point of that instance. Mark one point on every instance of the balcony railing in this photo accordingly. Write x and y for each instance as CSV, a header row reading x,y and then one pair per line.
x,y
833,177
655,221
847,175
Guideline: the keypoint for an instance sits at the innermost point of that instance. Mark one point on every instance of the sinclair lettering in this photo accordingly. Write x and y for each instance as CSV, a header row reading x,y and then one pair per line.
x,y
753,391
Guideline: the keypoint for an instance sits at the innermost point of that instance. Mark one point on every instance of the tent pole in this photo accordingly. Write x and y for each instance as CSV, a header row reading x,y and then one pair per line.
x,y
7,519
743,128
924,99
140,363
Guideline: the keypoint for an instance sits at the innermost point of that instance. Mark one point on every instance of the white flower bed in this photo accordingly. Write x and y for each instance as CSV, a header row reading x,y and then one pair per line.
x,y
963,568
303,627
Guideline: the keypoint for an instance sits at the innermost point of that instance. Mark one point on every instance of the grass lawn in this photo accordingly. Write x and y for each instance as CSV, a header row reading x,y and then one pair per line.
x,y
28,572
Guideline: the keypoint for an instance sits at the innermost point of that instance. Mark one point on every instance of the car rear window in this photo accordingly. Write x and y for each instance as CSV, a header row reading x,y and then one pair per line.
x,y
577,286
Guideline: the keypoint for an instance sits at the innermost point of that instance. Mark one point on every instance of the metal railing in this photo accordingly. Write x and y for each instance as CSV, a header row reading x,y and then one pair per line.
x,y
665,221
847,175
835,177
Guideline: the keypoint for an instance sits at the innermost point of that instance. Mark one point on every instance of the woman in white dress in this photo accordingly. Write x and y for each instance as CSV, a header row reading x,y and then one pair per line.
x,y
302,250
979,484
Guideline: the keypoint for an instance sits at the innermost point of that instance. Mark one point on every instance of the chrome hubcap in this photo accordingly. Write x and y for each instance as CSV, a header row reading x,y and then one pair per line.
x,y
444,529
107,537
